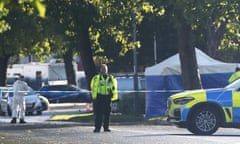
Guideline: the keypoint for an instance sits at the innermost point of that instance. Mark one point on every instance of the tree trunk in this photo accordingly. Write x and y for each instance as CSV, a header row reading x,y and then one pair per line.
x,y
215,36
70,71
3,69
190,73
83,40
85,52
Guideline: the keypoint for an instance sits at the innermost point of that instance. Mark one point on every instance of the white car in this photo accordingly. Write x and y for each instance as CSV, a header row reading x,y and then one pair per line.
x,y
35,103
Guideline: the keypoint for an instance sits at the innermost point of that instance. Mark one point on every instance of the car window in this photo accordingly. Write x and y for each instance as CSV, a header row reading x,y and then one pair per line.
x,y
45,88
72,88
234,85
60,88
57,88
52,88
66,88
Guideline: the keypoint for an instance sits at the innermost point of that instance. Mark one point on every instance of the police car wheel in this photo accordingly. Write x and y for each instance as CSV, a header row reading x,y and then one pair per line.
x,y
204,121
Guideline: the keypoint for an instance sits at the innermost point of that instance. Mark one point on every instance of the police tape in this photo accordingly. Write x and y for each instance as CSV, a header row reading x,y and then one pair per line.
x,y
149,91
127,91
88,91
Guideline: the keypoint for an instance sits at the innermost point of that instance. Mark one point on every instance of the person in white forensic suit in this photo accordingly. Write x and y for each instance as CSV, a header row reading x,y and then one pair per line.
x,y
20,90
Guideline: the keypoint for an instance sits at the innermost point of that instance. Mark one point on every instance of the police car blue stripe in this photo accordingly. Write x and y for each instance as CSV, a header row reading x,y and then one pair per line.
x,y
184,114
236,115
224,98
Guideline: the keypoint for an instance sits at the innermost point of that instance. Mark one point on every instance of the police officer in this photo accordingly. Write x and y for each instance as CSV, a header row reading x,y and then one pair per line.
x,y
20,89
104,90
235,75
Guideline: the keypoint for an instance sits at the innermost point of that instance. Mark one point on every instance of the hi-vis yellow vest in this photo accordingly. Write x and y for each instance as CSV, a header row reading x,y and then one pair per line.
x,y
234,77
100,85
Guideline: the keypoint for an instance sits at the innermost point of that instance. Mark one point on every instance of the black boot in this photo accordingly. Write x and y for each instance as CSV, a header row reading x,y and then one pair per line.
x,y
107,130
14,120
22,121
96,130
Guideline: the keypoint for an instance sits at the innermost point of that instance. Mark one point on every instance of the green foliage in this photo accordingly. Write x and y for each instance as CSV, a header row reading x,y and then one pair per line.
x,y
116,21
4,26
229,54
42,50
40,7
22,35
225,14
110,25
20,27
125,105
221,15
64,21
25,5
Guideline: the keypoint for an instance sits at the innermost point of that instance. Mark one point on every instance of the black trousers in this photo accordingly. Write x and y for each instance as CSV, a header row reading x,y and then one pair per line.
x,y
102,109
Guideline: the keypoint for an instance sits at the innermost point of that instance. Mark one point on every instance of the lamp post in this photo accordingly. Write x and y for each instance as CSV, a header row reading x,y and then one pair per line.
x,y
135,73
155,48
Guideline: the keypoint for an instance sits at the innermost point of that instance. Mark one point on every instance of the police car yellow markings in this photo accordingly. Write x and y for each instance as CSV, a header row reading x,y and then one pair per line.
x,y
236,106
199,96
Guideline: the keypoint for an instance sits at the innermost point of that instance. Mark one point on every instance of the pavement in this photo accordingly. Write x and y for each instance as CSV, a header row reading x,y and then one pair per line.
x,y
66,108
72,108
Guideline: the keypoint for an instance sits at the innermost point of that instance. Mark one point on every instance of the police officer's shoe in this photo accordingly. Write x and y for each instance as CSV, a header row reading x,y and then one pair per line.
x,y
96,130
22,121
107,130
14,120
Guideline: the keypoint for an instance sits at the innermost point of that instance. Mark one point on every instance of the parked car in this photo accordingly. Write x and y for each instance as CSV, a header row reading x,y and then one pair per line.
x,y
35,104
202,111
65,93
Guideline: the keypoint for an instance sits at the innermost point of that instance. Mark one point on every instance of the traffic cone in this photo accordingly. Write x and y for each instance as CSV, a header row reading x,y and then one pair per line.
x,y
88,109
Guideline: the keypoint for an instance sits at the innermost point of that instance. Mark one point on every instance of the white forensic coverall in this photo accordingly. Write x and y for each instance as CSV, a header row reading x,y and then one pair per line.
x,y
20,89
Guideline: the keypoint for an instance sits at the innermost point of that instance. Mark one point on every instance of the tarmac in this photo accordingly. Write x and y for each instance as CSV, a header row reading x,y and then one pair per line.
x,y
58,108
75,108
87,107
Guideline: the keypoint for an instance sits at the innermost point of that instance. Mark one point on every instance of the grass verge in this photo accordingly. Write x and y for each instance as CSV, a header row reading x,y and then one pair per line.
x,y
88,118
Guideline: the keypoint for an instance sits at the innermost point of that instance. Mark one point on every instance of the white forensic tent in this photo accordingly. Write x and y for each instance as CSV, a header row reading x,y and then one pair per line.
x,y
164,79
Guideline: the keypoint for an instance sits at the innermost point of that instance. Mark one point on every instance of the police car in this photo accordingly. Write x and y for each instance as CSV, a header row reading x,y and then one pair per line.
x,y
202,111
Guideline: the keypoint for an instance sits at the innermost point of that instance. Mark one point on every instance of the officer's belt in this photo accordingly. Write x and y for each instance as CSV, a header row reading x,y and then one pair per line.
x,y
103,94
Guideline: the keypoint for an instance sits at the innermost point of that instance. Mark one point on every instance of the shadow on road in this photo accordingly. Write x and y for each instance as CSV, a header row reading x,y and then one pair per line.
x,y
214,135
31,126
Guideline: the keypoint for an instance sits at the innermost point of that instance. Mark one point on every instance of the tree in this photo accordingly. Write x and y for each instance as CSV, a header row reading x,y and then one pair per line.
x,y
223,29
19,31
86,25
183,19
216,17
75,32
68,23
20,39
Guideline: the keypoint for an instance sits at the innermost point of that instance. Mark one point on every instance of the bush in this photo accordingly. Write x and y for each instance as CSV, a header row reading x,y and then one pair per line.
x,y
126,103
